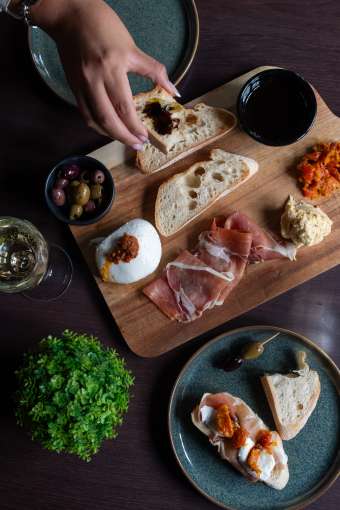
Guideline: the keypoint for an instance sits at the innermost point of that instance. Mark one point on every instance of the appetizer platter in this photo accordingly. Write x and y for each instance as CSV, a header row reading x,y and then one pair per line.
x,y
250,432
242,230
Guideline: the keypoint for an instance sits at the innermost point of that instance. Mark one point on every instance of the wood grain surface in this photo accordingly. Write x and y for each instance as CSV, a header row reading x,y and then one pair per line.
x,y
138,470
145,328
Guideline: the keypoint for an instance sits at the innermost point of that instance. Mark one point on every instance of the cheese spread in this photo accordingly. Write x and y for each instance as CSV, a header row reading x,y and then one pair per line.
x,y
304,223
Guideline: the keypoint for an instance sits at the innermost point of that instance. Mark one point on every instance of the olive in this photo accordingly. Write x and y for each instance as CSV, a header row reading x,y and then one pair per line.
x,y
71,171
81,194
98,177
232,363
253,350
76,211
90,206
85,176
61,183
96,191
58,196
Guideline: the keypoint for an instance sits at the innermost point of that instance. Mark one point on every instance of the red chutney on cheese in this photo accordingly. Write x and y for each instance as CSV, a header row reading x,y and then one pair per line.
x,y
319,170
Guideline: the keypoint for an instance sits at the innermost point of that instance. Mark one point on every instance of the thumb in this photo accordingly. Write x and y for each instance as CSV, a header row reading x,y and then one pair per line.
x,y
147,66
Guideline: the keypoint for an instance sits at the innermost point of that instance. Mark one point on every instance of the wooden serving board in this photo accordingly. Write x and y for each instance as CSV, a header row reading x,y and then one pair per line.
x,y
146,330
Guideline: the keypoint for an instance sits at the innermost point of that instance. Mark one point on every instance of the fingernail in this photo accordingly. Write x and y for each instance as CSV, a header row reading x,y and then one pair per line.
x,y
138,146
143,138
176,93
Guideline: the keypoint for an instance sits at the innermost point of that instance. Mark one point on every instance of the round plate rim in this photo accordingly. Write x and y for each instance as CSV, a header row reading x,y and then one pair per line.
x,y
312,345
189,4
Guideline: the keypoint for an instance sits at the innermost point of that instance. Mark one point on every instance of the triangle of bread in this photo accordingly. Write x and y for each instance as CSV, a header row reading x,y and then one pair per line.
x,y
195,128
292,397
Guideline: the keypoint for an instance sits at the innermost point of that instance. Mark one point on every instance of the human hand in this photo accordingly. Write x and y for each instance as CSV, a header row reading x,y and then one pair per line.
x,y
97,52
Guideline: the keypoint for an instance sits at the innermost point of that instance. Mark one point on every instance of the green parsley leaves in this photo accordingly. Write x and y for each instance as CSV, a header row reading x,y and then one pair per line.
x,y
73,394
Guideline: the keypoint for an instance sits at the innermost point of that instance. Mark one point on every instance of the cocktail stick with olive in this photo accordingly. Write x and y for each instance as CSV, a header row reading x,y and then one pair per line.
x,y
253,350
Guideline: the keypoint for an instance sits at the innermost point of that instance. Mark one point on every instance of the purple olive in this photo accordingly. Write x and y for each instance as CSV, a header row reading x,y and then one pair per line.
x,y
230,364
98,177
71,171
58,196
90,207
61,183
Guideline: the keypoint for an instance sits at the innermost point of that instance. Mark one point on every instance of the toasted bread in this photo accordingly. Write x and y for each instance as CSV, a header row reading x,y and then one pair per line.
x,y
204,418
184,196
182,130
292,397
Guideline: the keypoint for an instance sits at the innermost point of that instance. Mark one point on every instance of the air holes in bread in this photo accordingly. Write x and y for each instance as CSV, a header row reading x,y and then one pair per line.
x,y
218,177
192,205
200,171
192,193
193,181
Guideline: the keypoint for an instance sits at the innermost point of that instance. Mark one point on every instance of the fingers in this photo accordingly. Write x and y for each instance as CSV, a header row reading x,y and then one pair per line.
x,y
85,111
147,66
101,113
119,92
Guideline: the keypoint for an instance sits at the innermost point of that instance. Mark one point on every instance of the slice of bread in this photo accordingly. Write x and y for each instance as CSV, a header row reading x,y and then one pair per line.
x,y
188,128
184,196
292,397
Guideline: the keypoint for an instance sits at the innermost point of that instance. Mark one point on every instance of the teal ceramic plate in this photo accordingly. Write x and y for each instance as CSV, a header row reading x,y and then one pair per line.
x,y
313,455
167,30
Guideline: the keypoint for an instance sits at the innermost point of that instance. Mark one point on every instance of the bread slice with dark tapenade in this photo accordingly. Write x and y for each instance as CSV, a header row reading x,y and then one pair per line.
x,y
176,131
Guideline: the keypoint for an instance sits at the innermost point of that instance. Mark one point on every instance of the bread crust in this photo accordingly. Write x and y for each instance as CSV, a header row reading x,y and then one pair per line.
x,y
243,178
290,430
157,140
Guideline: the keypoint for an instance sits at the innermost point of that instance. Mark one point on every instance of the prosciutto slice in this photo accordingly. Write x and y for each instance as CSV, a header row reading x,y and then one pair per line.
x,y
226,251
203,417
264,245
198,281
187,288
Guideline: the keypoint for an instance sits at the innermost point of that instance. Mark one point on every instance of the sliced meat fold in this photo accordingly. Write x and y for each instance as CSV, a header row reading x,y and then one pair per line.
x,y
264,245
226,251
187,288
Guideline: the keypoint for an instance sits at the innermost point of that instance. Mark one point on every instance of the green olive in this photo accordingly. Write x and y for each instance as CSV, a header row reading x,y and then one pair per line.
x,y
96,191
74,183
253,350
76,211
81,194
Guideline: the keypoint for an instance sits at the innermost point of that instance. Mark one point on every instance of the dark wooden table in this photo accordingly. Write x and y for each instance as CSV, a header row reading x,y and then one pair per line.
x,y
138,469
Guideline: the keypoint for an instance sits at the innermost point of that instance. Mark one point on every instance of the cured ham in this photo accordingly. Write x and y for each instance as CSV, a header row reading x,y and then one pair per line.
x,y
198,281
257,452
191,287
226,251
264,245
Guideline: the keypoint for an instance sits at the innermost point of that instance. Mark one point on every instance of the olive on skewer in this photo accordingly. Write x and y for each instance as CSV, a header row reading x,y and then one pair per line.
x,y
253,350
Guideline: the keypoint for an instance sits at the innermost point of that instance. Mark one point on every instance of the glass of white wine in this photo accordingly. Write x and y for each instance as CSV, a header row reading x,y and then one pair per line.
x,y
28,264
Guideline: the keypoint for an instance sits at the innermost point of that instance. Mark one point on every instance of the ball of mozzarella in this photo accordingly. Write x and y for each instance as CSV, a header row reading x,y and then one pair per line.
x,y
148,257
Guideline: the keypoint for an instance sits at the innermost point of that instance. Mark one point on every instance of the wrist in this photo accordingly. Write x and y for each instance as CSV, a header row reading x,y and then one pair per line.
x,y
51,14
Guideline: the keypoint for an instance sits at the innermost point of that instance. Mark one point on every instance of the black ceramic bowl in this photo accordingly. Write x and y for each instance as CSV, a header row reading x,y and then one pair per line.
x,y
85,163
276,107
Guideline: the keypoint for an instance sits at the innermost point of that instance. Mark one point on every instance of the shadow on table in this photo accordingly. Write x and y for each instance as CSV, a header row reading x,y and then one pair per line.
x,y
8,384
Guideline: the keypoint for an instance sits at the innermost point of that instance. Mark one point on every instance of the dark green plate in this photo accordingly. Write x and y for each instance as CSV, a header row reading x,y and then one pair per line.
x,y
313,455
167,30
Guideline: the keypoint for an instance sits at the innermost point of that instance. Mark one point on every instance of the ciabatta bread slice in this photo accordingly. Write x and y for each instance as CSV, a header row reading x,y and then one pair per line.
x,y
176,131
184,196
292,397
